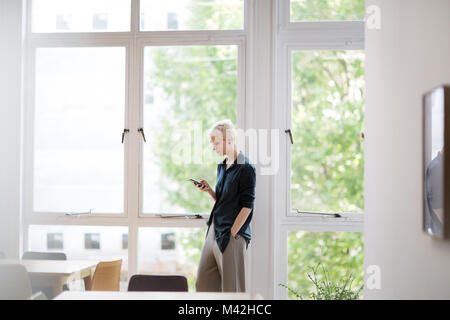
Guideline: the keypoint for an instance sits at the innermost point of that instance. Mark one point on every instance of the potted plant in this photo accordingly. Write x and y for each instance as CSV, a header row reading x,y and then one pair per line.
x,y
326,289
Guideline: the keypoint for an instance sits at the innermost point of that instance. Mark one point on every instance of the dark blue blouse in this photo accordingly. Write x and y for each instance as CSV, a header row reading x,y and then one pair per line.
x,y
235,189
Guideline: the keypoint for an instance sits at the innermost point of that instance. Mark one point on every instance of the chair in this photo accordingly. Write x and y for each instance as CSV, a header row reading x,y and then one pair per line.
x,y
33,255
106,276
2,255
14,282
145,282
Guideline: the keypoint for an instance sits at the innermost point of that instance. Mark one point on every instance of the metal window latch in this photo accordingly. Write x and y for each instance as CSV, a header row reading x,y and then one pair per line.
x,y
123,133
336,215
141,130
78,213
290,135
187,216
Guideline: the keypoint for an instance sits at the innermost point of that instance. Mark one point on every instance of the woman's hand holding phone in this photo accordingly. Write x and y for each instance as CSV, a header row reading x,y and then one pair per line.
x,y
202,185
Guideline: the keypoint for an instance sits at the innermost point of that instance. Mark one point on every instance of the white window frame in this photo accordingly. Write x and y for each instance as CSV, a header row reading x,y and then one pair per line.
x,y
134,42
201,41
293,36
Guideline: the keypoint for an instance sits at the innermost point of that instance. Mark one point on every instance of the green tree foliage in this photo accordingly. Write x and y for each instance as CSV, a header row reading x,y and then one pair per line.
x,y
200,83
316,10
327,169
214,14
341,253
327,121
327,158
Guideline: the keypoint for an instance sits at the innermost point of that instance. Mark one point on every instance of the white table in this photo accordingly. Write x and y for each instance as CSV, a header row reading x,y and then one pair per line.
x,y
137,295
55,273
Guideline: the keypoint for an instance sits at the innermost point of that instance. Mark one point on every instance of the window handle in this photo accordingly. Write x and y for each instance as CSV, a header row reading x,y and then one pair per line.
x,y
77,214
336,215
187,216
290,135
141,130
123,133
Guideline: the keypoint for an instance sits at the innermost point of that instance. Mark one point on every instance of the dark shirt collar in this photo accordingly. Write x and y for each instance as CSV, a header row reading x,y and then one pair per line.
x,y
240,159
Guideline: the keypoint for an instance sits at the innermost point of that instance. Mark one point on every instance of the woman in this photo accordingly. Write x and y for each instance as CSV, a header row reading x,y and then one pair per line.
x,y
222,262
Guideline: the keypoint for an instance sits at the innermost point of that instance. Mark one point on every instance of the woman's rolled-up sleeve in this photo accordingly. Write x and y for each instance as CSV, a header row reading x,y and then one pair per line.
x,y
247,182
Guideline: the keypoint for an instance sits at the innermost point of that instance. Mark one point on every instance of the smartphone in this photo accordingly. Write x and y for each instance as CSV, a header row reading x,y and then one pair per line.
x,y
196,182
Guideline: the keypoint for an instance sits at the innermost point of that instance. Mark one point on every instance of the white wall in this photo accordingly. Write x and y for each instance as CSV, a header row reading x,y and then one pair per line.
x,y
10,121
409,55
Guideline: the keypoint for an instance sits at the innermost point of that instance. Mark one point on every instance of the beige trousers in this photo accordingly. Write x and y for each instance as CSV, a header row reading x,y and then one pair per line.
x,y
221,272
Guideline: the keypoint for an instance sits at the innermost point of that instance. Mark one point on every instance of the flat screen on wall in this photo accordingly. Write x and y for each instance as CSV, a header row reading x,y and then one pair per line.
x,y
436,167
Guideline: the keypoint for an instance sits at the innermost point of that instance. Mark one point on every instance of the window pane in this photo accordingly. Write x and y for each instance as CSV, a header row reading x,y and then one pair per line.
x,y
186,90
78,120
55,241
72,239
327,166
80,15
171,251
340,254
317,10
192,14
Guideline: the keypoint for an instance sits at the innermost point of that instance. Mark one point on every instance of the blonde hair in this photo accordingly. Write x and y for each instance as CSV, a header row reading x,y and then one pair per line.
x,y
225,128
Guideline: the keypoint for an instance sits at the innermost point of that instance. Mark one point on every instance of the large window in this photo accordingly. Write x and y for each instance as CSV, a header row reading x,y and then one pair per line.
x,y
326,165
326,123
190,87
120,95
171,251
82,243
320,89
79,111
